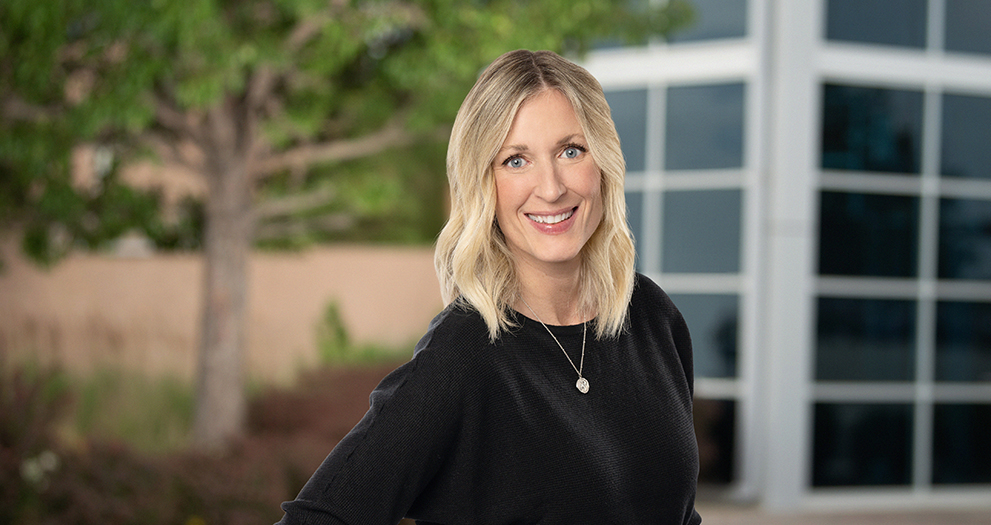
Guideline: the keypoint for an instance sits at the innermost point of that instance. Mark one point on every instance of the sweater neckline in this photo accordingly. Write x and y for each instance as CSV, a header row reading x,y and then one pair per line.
x,y
529,323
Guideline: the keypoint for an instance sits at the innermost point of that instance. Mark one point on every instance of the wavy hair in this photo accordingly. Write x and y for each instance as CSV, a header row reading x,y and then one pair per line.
x,y
473,262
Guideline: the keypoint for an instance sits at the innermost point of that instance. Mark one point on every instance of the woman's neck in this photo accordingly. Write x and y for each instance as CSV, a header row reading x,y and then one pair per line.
x,y
552,295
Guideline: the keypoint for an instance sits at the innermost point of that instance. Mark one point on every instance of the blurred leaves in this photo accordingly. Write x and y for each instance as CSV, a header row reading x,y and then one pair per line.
x,y
287,75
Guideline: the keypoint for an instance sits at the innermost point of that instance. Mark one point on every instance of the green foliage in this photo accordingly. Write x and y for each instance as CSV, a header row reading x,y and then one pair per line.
x,y
335,347
32,400
333,340
150,414
396,197
101,478
78,71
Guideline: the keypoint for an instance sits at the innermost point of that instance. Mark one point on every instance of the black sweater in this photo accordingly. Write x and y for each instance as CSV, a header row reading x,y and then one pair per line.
x,y
471,432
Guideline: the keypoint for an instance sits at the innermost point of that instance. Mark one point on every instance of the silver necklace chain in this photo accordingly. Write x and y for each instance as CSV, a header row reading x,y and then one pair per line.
x,y
582,384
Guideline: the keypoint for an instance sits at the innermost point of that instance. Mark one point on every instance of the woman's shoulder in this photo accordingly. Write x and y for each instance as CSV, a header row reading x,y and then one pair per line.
x,y
456,340
646,291
455,326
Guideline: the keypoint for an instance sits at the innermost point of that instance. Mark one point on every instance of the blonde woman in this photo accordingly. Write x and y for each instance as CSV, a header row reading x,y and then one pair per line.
x,y
556,386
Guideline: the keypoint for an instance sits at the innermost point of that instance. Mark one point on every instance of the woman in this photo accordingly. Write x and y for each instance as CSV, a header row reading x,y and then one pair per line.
x,y
556,386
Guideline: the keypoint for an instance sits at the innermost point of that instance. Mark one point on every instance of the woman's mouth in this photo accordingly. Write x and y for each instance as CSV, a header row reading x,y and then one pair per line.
x,y
552,219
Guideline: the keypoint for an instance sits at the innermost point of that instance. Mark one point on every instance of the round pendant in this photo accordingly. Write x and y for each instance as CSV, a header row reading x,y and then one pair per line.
x,y
582,385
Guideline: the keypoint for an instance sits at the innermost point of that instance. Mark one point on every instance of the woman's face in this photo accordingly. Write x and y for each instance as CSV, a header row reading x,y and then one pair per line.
x,y
548,187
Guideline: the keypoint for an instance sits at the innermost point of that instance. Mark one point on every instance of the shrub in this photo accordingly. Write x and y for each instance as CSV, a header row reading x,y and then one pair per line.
x,y
31,402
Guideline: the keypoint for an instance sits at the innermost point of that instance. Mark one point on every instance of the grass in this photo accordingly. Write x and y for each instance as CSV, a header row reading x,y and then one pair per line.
x,y
152,415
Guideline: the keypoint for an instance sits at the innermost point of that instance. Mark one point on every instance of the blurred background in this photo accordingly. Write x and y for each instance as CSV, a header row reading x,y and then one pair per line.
x,y
217,217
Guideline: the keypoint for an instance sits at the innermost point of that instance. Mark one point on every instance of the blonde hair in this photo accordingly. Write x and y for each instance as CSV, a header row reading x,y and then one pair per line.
x,y
473,262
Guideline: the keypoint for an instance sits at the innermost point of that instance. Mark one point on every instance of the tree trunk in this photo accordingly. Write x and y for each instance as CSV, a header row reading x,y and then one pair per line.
x,y
220,398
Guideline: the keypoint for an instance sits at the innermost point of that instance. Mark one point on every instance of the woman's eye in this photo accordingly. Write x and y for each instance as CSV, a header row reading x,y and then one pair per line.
x,y
516,162
572,153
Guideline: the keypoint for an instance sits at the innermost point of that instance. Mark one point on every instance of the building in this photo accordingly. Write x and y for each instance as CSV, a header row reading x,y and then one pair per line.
x,y
810,180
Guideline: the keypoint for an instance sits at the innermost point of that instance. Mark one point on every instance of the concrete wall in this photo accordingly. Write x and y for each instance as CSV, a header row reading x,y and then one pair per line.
x,y
143,313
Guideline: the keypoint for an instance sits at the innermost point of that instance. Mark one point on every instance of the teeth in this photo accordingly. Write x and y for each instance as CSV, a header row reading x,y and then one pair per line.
x,y
551,219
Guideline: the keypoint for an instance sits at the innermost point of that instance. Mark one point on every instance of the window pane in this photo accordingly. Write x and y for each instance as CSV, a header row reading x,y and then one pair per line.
x,y
871,129
701,231
966,142
715,428
865,340
714,19
712,321
864,234
862,444
634,217
629,112
963,341
960,444
885,22
704,127
964,239
967,23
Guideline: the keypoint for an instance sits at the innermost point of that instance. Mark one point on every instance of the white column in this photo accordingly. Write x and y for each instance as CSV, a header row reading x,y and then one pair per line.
x,y
789,273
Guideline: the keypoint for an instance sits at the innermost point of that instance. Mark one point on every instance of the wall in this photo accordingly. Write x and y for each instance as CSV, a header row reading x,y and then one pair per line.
x,y
143,313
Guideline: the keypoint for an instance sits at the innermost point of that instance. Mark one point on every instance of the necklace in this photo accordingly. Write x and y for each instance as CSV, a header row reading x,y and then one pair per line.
x,y
582,384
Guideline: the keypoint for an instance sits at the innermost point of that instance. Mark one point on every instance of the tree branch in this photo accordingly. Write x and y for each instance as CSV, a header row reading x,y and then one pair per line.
x,y
293,203
172,151
260,86
16,109
335,222
390,136
182,124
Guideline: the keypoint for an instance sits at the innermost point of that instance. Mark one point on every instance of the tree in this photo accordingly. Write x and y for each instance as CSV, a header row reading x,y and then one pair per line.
x,y
243,91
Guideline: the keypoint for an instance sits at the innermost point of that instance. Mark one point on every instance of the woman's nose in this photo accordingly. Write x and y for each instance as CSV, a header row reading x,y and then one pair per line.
x,y
550,183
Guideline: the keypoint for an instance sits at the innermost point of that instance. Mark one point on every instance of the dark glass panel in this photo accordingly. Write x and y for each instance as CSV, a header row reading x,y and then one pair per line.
x,y
715,430
961,435
704,127
885,22
629,112
871,235
634,217
714,19
712,321
701,231
964,239
966,139
862,444
871,129
963,341
865,340
967,23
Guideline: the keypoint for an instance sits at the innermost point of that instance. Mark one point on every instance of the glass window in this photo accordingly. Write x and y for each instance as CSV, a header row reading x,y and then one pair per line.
x,y
701,231
966,141
865,340
862,444
865,234
885,22
964,239
629,112
634,217
963,341
871,129
714,19
712,321
961,434
967,23
715,426
704,127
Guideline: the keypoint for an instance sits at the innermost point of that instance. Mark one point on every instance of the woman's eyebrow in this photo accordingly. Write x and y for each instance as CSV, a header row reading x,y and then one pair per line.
x,y
571,138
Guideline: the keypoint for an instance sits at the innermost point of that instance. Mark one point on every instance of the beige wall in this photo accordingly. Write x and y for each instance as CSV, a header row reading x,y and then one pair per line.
x,y
143,313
